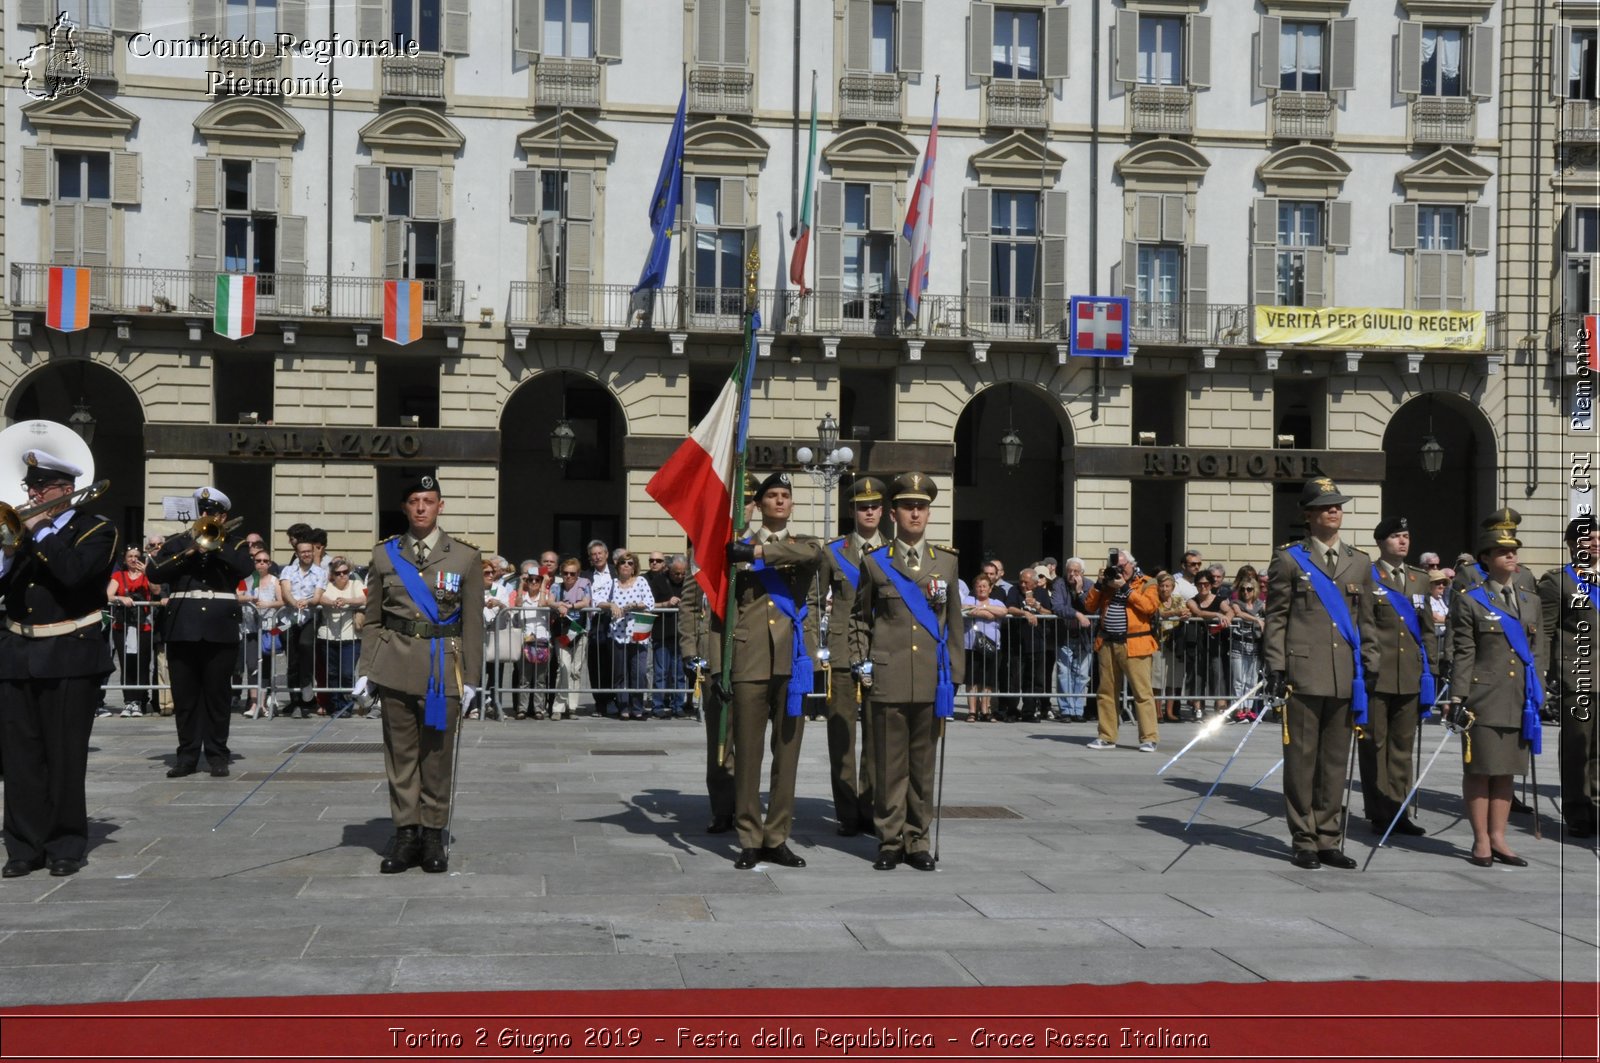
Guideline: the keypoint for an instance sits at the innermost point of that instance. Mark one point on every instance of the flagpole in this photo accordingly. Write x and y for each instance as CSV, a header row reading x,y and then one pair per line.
x,y
752,275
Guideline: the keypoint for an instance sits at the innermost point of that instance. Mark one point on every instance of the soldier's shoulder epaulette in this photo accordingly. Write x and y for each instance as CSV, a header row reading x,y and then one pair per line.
x,y
467,543
1285,546
386,542
945,548
840,539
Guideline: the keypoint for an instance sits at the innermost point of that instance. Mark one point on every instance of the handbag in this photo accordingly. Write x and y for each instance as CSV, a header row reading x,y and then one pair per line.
x,y
984,644
536,652
272,642
505,641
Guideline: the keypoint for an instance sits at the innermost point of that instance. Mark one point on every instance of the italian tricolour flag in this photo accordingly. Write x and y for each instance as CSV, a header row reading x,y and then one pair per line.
x,y
640,625
236,306
802,242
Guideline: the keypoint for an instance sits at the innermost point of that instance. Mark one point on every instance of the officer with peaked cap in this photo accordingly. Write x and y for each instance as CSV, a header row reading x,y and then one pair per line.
x,y
907,641
422,649
1505,521
775,650
1320,647
200,625
852,788
1403,686
1569,597
53,666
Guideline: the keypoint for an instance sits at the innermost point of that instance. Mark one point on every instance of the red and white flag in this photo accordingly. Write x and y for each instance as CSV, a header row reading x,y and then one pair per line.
x,y
797,262
919,220
697,485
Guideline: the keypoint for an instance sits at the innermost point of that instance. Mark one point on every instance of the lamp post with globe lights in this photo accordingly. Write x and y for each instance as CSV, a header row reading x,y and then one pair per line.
x,y
831,462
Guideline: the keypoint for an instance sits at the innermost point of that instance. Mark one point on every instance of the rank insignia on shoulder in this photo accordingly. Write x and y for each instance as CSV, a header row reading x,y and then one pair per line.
x,y
467,543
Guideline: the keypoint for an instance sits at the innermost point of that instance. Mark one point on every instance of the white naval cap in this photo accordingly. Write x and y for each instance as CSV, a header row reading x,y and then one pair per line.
x,y
210,494
44,466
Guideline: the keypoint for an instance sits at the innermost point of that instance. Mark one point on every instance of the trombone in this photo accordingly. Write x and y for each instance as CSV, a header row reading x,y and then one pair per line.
x,y
211,531
13,519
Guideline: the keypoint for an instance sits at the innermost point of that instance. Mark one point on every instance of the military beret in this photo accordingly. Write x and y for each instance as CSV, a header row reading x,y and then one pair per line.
x,y
1578,527
210,498
913,487
1391,526
777,479
426,482
866,489
44,467
1321,492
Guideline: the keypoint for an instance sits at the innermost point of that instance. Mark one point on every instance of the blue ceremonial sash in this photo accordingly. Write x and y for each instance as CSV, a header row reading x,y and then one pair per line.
x,y
851,572
944,691
801,681
1532,689
433,705
1408,616
1339,610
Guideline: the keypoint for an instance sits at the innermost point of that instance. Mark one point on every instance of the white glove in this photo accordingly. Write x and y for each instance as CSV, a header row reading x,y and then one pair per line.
x,y
361,689
469,694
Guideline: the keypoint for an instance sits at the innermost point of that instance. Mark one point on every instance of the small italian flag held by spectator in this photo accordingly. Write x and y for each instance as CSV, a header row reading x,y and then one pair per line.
x,y
571,631
640,626
236,306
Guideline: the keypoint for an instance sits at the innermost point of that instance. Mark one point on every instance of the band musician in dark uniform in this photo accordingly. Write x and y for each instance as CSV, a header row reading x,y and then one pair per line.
x,y
53,666
202,568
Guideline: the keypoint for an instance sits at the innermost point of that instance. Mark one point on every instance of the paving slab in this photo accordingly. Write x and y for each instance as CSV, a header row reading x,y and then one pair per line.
x,y
1067,967
468,973
754,970
780,934
1350,963
110,946
75,983
304,977
80,915
979,932
527,937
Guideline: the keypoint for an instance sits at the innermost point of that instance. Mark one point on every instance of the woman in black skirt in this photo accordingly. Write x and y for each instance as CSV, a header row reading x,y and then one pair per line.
x,y
1497,658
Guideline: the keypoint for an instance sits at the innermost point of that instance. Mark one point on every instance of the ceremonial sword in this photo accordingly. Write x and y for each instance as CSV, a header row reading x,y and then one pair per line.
x,y
1248,732
1213,725
1452,725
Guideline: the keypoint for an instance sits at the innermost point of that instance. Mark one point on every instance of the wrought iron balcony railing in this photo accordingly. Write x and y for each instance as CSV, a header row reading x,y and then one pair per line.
x,y
96,47
414,77
1161,109
243,69
720,90
188,293
1303,115
1442,120
560,82
869,97
1579,122
1017,103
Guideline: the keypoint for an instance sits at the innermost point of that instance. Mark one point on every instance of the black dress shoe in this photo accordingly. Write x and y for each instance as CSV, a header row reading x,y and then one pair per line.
x,y
1334,858
887,860
405,851
1406,826
18,868
922,861
719,825
782,854
178,771
1513,860
1305,858
219,768
1480,861
1519,805
748,858
434,857
845,831
63,867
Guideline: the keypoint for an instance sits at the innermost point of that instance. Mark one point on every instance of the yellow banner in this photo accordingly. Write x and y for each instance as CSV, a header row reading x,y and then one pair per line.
x,y
1365,326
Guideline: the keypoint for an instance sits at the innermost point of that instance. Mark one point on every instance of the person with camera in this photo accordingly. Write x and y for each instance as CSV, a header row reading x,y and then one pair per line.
x,y
1320,646
1125,599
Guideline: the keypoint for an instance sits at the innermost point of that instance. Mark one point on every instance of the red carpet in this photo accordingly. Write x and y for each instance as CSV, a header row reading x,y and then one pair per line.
x,y
1263,1021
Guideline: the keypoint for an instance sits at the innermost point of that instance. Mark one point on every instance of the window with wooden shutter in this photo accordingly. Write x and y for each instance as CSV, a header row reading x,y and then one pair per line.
x,y
1197,51
980,41
1408,69
369,192
527,194
1342,54
908,37
203,241
1125,59
455,26
1403,227
36,173
1057,43
1053,265
1481,60
976,219
1196,291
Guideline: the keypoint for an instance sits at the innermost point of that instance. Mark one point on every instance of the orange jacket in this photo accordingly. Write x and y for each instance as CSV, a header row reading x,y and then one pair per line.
x,y
1143,603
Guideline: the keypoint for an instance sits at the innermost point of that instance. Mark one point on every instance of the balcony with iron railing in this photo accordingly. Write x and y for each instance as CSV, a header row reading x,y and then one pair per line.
x,y
1165,109
1565,334
97,50
419,77
1578,122
190,293
720,90
244,76
1443,120
562,82
869,97
1017,104
1303,116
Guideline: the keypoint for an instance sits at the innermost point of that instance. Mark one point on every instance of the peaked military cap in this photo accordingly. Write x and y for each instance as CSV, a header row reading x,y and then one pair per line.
x,y
866,489
44,467
1506,519
209,497
913,487
1321,492
1497,537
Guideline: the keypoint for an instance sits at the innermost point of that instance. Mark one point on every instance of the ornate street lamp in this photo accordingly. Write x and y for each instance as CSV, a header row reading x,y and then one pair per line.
x,y
82,422
1432,455
832,462
1011,449
563,442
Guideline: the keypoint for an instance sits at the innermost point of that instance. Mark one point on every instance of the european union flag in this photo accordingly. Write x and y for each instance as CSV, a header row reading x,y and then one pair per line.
x,y
664,204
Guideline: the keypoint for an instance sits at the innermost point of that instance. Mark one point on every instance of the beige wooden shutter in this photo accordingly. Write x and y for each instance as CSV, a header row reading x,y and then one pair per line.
x,y
1174,220
370,20
294,18
1560,45
829,252
1342,55
369,192
35,173
908,31
125,16
1053,264
1125,275
549,241
394,246
1403,227
1316,276
453,39
527,194
1196,291
1455,280
1125,60
980,43
264,181
445,301
736,37
1268,37
95,235
1197,48
207,183
1264,222
732,204
40,12
1264,275
1408,71
528,27
125,178
608,30
64,234
580,269
1480,229
1429,267
426,193
1147,217
708,31
880,208
1057,43
1481,60
204,16
1339,225
203,241
858,35
290,289
977,204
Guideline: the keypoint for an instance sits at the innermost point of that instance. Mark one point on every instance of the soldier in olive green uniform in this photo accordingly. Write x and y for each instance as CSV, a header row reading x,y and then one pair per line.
x,y
1469,576
1570,615
1323,669
422,657
772,664
852,788
905,664
1487,623
1394,703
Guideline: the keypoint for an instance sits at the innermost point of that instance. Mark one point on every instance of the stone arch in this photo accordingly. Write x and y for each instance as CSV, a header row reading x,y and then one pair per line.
x,y
1307,170
730,143
1162,161
246,118
413,129
867,152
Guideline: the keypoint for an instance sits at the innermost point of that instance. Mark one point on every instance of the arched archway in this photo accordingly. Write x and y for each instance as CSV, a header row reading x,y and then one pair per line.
x,y
542,505
1017,514
1443,510
55,390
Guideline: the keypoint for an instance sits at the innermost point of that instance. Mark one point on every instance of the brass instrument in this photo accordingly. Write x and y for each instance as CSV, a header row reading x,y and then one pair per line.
x,y
13,519
210,531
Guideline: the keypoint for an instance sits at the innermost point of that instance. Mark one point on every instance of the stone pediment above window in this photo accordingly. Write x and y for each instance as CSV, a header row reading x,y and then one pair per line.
x,y
413,129
1446,10
1445,176
243,118
870,153
1018,159
1304,171
1163,166
81,112
568,139
720,142
1307,9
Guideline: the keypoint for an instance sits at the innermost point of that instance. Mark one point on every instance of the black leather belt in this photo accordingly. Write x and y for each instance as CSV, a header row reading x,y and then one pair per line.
x,y
1121,636
421,629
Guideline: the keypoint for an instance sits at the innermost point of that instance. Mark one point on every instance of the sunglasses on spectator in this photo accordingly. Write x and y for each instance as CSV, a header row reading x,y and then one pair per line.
x,y
630,562
658,560
262,561
341,572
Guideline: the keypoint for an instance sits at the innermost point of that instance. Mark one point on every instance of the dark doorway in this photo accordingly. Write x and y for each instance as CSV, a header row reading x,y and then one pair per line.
x,y
1444,510
1019,513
